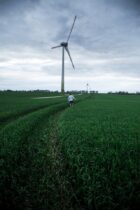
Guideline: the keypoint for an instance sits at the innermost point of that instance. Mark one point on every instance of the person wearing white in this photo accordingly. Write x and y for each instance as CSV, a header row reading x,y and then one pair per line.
x,y
71,99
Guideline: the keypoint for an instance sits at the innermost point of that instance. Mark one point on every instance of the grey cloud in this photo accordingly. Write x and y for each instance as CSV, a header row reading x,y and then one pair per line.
x,y
104,30
15,4
2,60
127,4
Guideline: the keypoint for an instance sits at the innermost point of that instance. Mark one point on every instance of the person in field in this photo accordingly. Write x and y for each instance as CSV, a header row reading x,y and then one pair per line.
x,y
71,99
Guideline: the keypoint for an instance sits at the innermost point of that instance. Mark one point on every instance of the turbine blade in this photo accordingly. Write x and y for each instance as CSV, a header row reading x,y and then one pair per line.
x,y
56,46
71,28
66,48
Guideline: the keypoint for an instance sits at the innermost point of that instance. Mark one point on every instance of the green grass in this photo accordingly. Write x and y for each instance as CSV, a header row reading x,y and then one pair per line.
x,y
101,141
16,104
21,159
26,159
57,157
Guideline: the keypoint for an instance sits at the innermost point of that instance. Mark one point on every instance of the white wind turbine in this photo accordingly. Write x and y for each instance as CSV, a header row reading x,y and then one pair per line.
x,y
64,46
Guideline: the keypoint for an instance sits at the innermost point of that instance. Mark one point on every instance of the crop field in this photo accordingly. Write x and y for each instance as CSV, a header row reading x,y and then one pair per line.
x,y
53,156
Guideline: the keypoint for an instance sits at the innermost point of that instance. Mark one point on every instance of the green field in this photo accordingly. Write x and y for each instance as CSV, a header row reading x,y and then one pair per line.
x,y
57,157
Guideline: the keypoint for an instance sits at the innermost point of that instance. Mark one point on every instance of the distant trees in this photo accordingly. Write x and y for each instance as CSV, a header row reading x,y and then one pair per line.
x,y
69,91
123,93
82,91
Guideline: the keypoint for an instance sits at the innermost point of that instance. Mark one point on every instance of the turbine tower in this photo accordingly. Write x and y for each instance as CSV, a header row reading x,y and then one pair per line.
x,y
64,46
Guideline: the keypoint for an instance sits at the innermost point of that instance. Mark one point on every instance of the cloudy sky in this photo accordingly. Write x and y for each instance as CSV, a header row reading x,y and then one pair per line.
x,y
104,45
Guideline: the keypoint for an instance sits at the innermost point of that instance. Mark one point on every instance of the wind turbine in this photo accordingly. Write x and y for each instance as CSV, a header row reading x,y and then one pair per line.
x,y
64,46
87,87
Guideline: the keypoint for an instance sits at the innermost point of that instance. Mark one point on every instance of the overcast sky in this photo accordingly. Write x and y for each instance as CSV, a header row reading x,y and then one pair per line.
x,y
104,45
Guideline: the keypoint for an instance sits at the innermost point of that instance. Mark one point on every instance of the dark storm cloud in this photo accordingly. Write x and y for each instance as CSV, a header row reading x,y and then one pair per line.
x,y
5,4
14,26
8,3
17,8
132,5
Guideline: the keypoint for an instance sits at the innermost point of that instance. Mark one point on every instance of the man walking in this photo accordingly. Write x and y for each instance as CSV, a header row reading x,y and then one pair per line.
x,y
71,99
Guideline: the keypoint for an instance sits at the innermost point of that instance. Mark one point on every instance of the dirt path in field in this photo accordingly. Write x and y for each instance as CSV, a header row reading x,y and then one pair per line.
x,y
60,173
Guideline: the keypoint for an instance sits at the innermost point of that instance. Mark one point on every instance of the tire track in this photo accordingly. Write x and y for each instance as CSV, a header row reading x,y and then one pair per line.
x,y
62,191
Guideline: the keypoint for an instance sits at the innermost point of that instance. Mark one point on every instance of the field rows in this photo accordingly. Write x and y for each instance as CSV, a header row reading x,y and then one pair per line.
x,y
20,149
20,107
101,142
24,153
83,157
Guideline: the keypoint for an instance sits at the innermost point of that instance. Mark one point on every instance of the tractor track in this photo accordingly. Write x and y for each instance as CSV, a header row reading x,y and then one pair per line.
x,y
63,189
12,118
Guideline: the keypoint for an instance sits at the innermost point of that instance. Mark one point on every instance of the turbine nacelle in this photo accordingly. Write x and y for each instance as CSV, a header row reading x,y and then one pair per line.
x,y
64,44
